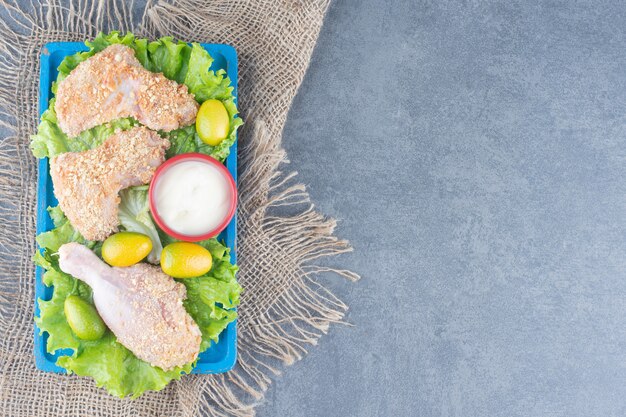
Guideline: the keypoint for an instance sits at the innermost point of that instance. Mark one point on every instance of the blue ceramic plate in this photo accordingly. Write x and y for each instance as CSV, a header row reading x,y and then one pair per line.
x,y
221,356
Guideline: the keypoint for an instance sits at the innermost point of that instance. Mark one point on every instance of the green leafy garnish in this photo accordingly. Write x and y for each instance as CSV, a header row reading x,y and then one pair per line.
x,y
186,64
219,289
211,298
134,215
51,141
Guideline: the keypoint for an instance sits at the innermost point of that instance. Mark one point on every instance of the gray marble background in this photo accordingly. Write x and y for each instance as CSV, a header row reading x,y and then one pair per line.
x,y
475,155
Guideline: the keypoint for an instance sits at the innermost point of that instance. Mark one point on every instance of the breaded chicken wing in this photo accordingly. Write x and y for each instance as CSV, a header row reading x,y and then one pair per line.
x,y
141,305
87,183
113,84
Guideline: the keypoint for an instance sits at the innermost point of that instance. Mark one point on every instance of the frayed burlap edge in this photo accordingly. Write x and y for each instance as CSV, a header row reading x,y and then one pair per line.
x,y
284,309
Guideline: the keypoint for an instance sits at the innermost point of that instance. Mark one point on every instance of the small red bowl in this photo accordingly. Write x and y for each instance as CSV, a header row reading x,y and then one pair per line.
x,y
184,158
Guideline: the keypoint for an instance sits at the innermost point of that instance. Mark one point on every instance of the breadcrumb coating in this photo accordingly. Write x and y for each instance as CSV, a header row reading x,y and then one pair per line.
x,y
113,84
87,183
141,305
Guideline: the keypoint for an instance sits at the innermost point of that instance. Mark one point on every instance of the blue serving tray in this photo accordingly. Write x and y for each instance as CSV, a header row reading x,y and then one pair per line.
x,y
221,356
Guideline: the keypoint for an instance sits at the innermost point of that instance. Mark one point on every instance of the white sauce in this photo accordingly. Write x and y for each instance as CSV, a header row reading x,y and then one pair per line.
x,y
192,197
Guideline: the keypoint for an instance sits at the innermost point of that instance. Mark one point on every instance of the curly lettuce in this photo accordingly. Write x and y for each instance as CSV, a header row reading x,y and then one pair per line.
x,y
219,292
51,141
211,298
184,63
210,302
134,215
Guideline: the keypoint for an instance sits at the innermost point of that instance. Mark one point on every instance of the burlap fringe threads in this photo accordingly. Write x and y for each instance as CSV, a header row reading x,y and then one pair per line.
x,y
284,309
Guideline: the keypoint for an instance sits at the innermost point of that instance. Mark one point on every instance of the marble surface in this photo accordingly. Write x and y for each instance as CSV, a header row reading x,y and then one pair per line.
x,y
474,153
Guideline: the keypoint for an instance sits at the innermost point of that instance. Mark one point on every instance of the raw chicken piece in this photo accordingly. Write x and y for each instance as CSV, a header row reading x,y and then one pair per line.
x,y
113,84
87,183
141,305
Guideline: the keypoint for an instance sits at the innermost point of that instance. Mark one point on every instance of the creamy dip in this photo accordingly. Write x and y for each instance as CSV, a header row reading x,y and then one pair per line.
x,y
192,197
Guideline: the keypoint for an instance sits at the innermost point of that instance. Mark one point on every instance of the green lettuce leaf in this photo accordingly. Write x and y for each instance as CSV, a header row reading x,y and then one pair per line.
x,y
218,289
109,363
186,64
51,141
115,368
186,139
211,298
134,215
63,232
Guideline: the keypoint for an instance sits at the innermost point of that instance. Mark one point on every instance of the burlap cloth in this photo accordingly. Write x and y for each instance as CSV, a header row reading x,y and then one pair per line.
x,y
284,308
